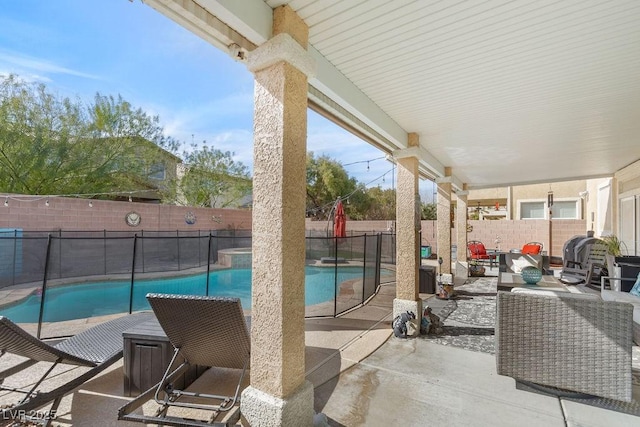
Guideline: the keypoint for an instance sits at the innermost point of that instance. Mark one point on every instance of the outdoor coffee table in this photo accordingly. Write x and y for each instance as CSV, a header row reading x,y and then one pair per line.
x,y
508,281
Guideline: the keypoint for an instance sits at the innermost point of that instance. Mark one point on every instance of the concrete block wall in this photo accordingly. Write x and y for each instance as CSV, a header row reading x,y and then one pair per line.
x,y
510,234
563,230
31,213
513,234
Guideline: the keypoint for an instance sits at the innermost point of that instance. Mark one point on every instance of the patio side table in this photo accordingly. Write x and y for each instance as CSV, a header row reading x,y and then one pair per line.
x,y
147,353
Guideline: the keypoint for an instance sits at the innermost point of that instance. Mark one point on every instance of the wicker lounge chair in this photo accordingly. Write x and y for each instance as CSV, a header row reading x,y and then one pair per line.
x,y
569,341
96,348
205,331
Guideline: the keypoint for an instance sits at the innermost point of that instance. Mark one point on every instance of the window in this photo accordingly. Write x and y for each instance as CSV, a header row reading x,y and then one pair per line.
x,y
532,210
565,210
157,171
561,209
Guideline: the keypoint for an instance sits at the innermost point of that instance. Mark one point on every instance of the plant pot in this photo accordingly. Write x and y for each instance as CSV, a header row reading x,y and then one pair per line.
x,y
476,271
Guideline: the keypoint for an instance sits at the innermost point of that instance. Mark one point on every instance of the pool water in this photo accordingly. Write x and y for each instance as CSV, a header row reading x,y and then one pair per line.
x,y
102,298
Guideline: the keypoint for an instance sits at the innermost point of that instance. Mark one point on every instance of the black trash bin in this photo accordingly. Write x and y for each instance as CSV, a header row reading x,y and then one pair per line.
x,y
427,279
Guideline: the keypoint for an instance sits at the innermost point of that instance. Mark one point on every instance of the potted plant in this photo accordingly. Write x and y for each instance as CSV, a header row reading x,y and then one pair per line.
x,y
614,245
476,269
614,249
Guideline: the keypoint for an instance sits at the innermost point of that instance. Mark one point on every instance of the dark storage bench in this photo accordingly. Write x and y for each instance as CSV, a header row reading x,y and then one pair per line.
x,y
147,353
427,280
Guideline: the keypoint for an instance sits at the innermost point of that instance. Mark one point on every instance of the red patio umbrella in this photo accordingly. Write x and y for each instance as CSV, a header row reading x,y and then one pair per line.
x,y
339,221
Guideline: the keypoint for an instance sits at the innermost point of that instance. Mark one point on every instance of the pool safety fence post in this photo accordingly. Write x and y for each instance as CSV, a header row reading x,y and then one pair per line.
x,y
134,246
15,249
378,261
104,247
335,278
393,248
364,267
133,270
44,286
60,253
178,245
208,262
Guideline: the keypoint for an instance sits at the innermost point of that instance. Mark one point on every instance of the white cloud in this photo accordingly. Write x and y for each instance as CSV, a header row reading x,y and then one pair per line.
x,y
25,77
37,66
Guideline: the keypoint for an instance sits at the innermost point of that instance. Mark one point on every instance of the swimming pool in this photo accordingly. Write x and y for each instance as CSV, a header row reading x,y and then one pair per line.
x,y
102,298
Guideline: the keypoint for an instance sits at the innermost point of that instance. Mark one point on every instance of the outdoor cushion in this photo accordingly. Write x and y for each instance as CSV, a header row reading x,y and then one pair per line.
x,y
555,294
478,251
608,295
516,264
636,287
531,249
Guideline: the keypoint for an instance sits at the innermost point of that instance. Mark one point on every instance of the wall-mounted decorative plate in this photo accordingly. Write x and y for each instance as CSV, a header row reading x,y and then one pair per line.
x,y
190,218
132,219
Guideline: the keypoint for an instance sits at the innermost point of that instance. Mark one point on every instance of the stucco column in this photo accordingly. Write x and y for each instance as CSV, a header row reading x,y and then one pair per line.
x,y
461,225
408,233
279,395
444,222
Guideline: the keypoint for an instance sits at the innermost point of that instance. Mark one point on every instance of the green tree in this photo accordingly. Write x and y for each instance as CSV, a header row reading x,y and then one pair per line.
x,y
382,205
429,211
38,139
213,179
128,145
326,181
54,145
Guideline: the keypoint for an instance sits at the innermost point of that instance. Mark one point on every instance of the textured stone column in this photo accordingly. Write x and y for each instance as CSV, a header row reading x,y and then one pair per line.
x,y
461,225
444,222
279,395
407,234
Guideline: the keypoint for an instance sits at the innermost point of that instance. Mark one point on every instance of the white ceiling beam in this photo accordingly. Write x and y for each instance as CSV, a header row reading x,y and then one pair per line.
x,y
249,24
201,22
251,18
428,164
455,182
335,85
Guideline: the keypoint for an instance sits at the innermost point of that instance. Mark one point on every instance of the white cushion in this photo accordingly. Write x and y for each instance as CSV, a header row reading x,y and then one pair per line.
x,y
517,264
551,293
609,295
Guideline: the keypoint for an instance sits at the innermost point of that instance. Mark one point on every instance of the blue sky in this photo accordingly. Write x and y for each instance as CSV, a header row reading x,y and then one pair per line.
x,y
80,47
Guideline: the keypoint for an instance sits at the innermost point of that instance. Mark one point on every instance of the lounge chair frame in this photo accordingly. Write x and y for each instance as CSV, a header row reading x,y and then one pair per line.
x,y
96,348
205,331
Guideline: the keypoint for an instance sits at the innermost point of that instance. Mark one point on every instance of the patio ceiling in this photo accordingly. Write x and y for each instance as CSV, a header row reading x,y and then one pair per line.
x,y
502,92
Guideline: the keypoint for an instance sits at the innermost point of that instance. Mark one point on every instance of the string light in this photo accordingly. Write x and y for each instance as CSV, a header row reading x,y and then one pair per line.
x,y
364,161
320,209
90,203
130,199
29,198
6,201
46,203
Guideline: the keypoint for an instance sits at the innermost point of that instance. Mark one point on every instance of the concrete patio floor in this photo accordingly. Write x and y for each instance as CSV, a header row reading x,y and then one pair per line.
x,y
363,376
